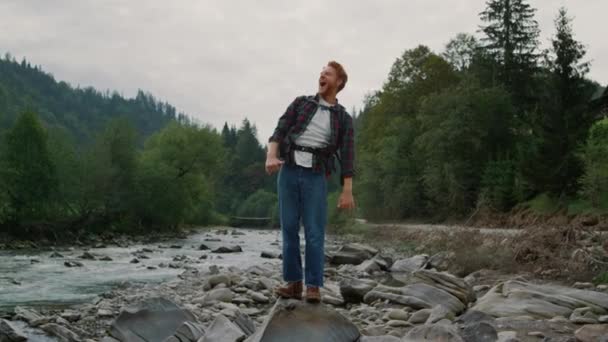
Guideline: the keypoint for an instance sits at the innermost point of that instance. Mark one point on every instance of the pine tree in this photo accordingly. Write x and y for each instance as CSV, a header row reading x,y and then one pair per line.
x,y
511,37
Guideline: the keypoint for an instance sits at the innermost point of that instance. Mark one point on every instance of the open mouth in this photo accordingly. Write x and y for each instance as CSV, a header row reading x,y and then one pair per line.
x,y
322,83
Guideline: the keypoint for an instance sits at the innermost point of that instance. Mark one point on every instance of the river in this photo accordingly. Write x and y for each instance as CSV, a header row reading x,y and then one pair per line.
x,y
46,281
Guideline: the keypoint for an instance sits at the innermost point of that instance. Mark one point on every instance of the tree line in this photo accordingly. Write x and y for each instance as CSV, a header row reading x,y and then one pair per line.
x,y
490,122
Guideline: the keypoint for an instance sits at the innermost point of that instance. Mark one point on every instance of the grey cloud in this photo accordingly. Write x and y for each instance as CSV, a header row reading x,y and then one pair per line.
x,y
227,60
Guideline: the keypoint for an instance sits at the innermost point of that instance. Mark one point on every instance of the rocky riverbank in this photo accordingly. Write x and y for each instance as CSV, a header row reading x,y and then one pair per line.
x,y
384,295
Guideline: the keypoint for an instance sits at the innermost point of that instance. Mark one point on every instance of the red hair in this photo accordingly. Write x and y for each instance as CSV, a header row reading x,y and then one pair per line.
x,y
341,73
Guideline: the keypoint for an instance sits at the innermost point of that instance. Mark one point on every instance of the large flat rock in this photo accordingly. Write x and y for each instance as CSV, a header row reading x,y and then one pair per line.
x,y
298,321
517,298
153,320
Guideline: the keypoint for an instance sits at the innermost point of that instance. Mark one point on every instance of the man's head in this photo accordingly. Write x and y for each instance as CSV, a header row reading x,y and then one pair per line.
x,y
332,79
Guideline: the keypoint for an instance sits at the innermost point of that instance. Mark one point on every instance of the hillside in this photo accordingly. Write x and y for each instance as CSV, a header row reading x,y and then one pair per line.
x,y
82,111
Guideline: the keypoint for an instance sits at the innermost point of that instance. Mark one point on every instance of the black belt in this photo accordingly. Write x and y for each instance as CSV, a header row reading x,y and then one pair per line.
x,y
313,150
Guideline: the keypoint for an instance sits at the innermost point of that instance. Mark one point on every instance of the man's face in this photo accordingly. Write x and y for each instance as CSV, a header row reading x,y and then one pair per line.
x,y
328,81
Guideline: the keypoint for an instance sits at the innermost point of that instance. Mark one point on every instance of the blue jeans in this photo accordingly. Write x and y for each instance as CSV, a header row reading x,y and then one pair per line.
x,y
303,196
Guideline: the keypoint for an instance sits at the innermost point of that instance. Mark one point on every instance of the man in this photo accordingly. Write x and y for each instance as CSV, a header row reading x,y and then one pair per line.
x,y
313,130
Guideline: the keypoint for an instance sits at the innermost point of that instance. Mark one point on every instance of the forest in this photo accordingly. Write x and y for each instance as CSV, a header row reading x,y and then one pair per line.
x,y
491,122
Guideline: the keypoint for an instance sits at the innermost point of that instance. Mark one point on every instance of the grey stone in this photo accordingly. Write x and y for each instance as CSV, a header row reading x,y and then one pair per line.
x,y
216,295
297,321
352,254
154,319
354,290
410,265
222,330
517,298
416,296
189,331
232,249
438,313
245,323
270,255
10,333
583,316
217,279
27,315
72,263
87,256
399,315
479,332
258,297
384,338
420,316
368,266
435,332
61,332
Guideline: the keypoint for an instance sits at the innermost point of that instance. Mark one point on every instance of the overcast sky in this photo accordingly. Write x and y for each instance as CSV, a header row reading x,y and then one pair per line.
x,y
226,60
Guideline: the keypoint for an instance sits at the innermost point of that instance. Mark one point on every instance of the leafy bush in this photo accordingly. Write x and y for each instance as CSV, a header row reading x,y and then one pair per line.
x,y
595,157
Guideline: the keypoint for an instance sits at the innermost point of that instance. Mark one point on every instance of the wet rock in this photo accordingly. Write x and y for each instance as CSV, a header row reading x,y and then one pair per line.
x,y
223,330
87,256
151,320
105,313
352,254
435,332
354,290
61,332
203,247
134,261
10,333
72,263
175,246
479,332
56,255
212,240
297,321
410,265
27,315
592,333
584,286
34,261
517,298
105,258
232,249
270,255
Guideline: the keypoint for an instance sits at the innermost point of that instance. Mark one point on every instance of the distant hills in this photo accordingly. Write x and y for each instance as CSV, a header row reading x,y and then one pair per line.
x,y
83,112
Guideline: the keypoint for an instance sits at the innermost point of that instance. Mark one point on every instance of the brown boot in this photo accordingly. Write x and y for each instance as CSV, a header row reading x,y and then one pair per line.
x,y
313,294
290,291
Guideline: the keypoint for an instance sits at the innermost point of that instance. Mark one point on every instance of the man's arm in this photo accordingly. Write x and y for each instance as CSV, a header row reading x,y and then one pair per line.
x,y
273,163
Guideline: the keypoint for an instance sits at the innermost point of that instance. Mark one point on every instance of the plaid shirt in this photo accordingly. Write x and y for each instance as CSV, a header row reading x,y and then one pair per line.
x,y
297,117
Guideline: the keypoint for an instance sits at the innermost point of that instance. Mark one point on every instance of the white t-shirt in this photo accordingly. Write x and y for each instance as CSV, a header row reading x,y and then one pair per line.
x,y
316,134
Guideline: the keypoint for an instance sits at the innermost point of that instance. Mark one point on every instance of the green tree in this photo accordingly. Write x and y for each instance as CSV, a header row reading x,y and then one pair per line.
x,y
511,38
28,174
563,118
595,157
461,50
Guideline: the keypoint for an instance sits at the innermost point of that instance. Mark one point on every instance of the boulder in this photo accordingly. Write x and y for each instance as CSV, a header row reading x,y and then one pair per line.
x,y
353,290
297,321
62,333
152,320
216,295
270,255
438,313
27,315
447,282
410,265
435,332
10,333
352,254
232,249
223,330
479,332
189,331
516,298
592,333
416,296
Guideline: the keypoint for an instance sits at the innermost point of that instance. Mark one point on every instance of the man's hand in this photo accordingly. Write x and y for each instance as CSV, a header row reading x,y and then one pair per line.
x,y
346,200
273,164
